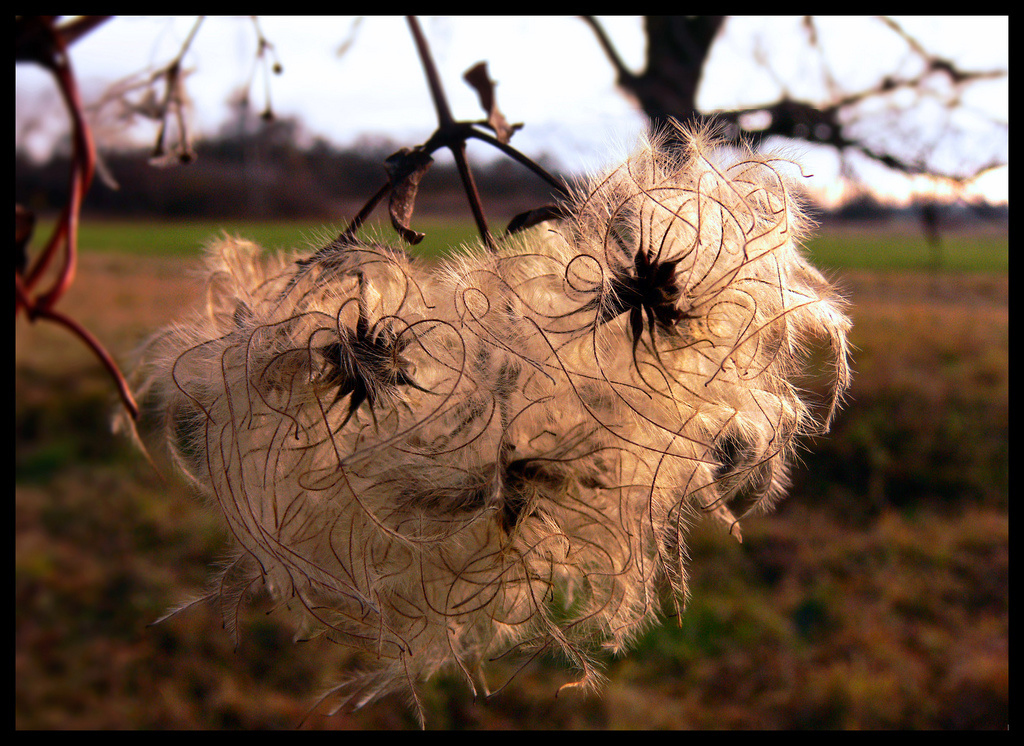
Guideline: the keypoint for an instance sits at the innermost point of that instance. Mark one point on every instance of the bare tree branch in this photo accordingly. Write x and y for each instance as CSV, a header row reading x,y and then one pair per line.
x,y
679,48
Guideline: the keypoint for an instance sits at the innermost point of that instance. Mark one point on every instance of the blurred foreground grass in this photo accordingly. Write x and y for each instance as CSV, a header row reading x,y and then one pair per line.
x,y
875,597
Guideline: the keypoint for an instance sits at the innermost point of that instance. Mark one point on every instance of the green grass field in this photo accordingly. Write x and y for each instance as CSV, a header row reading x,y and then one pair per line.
x,y
875,597
187,239
907,249
848,248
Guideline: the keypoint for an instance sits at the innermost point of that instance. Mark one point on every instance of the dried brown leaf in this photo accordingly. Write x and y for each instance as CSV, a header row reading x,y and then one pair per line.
x,y
478,77
405,170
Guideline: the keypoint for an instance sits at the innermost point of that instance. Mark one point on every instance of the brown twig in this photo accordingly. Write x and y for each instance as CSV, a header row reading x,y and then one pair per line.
x,y
409,165
448,132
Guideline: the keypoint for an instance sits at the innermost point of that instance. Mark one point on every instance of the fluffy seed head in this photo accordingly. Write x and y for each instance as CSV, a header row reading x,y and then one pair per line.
x,y
442,464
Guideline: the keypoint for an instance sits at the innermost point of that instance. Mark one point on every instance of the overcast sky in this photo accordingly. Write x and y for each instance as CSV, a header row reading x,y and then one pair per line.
x,y
551,74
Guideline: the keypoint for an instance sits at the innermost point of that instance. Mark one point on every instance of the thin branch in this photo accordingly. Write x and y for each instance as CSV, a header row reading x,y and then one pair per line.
x,y
444,113
408,165
557,184
448,131
348,235
100,352
50,52
624,75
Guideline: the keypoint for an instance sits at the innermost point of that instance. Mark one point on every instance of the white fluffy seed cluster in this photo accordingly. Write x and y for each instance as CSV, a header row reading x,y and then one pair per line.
x,y
443,463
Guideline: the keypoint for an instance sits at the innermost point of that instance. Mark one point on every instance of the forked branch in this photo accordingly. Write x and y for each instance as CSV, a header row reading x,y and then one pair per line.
x,y
407,167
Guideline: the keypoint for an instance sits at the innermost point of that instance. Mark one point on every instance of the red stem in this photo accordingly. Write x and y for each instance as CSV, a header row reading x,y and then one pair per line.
x,y
83,166
94,344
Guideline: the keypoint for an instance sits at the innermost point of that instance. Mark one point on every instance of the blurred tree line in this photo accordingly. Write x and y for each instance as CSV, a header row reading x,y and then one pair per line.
x,y
255,168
